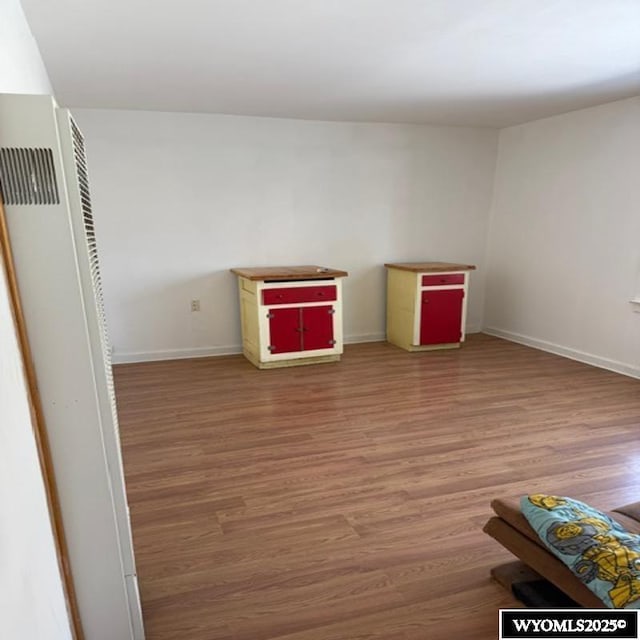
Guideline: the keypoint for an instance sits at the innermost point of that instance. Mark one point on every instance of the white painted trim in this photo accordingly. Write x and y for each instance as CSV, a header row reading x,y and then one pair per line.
x,y
636,303
417,309
574,354
365,337
127,357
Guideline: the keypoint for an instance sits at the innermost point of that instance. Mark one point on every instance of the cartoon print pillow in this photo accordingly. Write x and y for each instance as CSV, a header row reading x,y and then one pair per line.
x,y
599,551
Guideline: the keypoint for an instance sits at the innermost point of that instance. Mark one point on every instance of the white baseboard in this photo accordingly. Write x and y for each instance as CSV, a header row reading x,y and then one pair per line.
x,y
127,357
365,337
567,352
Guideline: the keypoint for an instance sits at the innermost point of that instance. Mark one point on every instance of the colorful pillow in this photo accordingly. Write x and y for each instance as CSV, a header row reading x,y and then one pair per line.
x,y
599,551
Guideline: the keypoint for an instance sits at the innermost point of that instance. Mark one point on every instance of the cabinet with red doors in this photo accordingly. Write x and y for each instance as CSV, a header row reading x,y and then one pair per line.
x,y
427,304
290,315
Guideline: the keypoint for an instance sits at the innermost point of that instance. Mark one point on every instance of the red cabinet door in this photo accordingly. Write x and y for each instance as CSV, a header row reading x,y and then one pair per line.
x,y
441,316
284,330
317,328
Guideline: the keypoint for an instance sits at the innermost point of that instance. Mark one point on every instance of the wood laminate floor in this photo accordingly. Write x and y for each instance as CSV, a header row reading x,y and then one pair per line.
x,y
345,501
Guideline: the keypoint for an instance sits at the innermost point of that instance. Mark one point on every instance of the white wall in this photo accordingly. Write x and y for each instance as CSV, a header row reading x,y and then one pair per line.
x,y
564,244
179,199
21,67
32,601
31,597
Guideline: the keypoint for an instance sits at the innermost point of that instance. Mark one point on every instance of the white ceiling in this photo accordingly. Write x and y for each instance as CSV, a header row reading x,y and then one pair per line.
x,y
470,62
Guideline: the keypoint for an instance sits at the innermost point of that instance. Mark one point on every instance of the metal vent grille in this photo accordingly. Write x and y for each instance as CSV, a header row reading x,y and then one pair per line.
x,y
27,176
87,219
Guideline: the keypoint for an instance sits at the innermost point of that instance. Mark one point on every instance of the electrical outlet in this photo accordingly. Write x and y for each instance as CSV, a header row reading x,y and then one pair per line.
x,y
195,305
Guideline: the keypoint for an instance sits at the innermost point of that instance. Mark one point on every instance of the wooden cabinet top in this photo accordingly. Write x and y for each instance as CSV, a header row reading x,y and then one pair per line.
x,y
426,267
304,272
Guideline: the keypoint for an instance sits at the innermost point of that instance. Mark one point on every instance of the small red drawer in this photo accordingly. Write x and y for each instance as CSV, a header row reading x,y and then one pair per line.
x,y
294,295
442,278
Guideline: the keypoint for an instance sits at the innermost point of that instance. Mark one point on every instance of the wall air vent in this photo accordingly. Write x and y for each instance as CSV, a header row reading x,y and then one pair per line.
x,y
43,174
80,159
27,176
